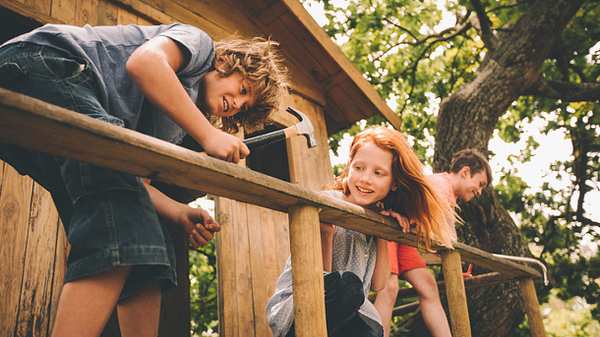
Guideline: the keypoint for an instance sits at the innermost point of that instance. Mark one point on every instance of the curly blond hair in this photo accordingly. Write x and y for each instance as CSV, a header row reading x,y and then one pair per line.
x,y
259,61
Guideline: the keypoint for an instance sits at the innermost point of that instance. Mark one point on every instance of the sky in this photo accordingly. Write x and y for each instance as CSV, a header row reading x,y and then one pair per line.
x,y
554,146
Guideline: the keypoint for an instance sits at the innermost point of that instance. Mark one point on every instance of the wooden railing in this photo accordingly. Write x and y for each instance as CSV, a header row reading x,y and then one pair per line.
x,y
38,125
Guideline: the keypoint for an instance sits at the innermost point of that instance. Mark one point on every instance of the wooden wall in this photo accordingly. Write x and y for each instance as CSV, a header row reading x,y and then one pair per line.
x,y
253,245
33,253
254,242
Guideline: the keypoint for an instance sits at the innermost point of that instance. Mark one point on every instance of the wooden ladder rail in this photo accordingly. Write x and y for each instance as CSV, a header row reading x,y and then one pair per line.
x,y
66,133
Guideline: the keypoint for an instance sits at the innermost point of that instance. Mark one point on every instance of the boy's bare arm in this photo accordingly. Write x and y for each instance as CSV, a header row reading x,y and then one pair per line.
x,y
153,67
196,222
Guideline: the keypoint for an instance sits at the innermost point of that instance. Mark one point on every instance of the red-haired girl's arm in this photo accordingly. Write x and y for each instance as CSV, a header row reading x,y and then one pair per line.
x,y
327,231
381,273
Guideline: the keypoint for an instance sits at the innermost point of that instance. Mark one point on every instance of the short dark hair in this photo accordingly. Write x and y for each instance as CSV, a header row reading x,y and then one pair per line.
x,y
472,159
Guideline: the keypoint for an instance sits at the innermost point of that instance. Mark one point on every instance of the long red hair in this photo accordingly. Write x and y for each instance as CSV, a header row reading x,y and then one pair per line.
x,y
414,196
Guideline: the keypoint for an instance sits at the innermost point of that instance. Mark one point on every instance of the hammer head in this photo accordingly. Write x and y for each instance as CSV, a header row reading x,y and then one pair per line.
x,y
304,127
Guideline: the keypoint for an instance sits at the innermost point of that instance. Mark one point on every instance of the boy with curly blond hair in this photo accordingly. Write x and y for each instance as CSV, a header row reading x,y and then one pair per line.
x,y
166,81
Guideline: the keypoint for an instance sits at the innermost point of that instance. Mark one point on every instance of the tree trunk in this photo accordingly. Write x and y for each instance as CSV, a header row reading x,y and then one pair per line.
x,y
468,118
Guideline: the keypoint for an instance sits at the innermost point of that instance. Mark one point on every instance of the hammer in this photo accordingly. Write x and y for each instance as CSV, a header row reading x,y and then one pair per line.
x,y
303,128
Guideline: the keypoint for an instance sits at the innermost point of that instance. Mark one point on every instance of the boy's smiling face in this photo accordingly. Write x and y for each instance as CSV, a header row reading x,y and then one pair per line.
x,y
226,96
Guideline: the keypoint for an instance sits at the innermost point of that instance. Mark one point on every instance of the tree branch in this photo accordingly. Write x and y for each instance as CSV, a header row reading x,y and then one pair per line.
x,y
485,26
566,91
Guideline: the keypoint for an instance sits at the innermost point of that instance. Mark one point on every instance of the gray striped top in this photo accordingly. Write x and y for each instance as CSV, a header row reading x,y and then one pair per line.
x,y
352,251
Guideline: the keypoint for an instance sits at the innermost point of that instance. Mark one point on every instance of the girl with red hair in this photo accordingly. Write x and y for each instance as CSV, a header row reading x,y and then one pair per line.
x,y
383,174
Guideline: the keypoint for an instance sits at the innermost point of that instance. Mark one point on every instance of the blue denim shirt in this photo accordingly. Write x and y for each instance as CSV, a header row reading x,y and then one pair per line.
x,y
106,50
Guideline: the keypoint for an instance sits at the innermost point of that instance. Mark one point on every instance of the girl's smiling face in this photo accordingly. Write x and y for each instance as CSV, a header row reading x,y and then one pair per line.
x,y
369,175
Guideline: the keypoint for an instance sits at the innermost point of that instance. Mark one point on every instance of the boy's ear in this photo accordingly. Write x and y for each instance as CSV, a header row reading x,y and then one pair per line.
x,y
465,172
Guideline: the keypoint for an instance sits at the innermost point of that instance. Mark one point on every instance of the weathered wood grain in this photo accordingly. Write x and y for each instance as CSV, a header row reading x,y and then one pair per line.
x,y
15,201
455,293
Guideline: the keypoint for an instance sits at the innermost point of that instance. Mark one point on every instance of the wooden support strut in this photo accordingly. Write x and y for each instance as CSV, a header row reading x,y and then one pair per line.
x,y
532,308
307,272
455,292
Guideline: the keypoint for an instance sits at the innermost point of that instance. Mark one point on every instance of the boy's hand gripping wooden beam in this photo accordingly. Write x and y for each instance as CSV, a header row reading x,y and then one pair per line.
x,y
303,128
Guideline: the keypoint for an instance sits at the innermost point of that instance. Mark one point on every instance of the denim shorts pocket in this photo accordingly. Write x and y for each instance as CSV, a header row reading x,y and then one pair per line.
x,y
59,67
10,72
62,68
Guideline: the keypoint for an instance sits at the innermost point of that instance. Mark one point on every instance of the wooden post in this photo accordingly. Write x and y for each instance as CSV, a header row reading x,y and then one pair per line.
x,y
532,308
455,292
307,272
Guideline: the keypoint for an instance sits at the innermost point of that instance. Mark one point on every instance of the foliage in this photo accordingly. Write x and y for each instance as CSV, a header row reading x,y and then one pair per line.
x,y
203,290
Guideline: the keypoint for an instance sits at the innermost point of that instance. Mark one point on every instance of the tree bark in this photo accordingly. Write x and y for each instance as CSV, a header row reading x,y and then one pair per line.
x,y
468,118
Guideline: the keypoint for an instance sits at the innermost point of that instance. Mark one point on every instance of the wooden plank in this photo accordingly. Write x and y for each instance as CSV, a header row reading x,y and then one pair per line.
x,y
175,312
225,266
2,168
27,11
228,15
15,201
149,13
350,111
125,17
60,267
267,257
455,292
474,282
144,22
245,304
333,51
312,49
310,167
265,13
235,276
41,6
307,272
106,13
63,132
36,290
296,59
182,14
63,10
532,308
86,12
282,32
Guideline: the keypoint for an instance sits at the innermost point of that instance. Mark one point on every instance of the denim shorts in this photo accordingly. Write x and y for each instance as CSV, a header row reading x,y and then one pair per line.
x,y
108,216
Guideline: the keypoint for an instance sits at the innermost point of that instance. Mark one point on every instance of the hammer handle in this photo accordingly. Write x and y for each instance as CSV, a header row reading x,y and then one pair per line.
x,y
264,139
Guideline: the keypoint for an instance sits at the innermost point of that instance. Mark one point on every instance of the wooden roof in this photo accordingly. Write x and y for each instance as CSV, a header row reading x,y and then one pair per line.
x,y
349,97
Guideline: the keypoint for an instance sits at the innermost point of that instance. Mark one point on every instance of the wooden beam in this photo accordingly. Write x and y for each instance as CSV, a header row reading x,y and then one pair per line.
x,y
532,308
455,293
35,124
406,308
474,282
307,272
29,12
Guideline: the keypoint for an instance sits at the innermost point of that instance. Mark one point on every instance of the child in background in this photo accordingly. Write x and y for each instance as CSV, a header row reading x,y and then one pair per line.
x,y
382,174
469,174
163,81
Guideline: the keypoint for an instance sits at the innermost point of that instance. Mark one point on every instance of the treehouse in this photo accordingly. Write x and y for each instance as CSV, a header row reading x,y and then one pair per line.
x,y
268,209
